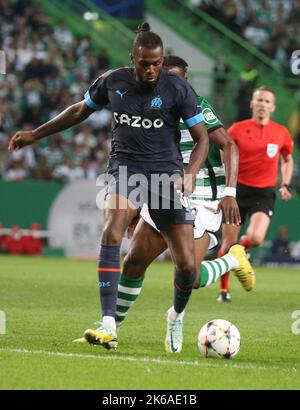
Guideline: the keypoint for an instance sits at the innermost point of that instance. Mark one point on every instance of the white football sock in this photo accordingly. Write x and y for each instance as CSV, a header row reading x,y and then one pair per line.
x,y
173,315
109,321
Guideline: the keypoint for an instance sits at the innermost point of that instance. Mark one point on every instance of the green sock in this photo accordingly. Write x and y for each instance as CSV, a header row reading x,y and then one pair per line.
x,y
128,291
210,271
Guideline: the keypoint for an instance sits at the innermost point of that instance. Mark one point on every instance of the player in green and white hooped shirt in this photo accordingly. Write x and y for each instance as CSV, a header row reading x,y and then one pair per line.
x,y
214,191
210,181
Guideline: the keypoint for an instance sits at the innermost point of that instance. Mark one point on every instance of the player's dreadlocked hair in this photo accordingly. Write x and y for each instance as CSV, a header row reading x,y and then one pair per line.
x,y
146,38
174,61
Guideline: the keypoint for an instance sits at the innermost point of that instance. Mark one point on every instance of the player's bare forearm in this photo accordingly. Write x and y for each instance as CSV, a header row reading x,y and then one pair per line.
x,y
200,150
230,154
71,116
287,166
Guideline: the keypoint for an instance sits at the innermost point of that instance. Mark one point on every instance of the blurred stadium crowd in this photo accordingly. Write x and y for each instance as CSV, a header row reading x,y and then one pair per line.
x,y
48,69
270,25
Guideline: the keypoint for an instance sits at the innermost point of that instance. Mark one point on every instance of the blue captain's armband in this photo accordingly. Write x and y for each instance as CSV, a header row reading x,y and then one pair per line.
x,y
89,102
194,120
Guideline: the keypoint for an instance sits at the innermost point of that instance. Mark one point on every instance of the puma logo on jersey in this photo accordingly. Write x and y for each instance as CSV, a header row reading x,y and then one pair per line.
x,y
121,94
137,121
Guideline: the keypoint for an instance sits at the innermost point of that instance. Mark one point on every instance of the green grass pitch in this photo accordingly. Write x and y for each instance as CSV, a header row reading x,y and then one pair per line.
x,y
49,302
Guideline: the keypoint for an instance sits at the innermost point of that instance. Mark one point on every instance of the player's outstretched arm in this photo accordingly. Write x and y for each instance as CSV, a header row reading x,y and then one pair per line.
x,y
198,155
230,156
69,117
287,165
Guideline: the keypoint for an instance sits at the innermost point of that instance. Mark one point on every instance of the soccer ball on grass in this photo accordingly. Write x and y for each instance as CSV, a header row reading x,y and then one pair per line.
x,y
219,338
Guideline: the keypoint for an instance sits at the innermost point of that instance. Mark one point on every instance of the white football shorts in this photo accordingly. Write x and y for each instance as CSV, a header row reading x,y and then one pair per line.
x,y
206,220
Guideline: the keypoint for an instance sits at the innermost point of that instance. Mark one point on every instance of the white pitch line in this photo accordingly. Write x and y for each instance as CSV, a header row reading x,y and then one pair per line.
x,y
204,363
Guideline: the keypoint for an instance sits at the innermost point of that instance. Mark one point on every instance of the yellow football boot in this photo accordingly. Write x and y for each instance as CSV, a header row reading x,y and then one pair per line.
x,y
244,272
103,335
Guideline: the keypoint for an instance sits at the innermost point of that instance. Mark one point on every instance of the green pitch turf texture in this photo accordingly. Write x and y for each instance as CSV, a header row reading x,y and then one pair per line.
x,y
49,302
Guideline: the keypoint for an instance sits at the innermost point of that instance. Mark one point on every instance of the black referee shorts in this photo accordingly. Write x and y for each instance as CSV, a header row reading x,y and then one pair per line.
x,y
252,200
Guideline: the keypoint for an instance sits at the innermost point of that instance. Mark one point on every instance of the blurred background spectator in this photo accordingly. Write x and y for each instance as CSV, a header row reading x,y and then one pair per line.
x,y
2,236
221,68
32,241
13,243
247,83
280,251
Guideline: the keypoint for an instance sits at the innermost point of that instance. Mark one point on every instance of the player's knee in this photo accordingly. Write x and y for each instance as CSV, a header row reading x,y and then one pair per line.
x,y
186,267
112,235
